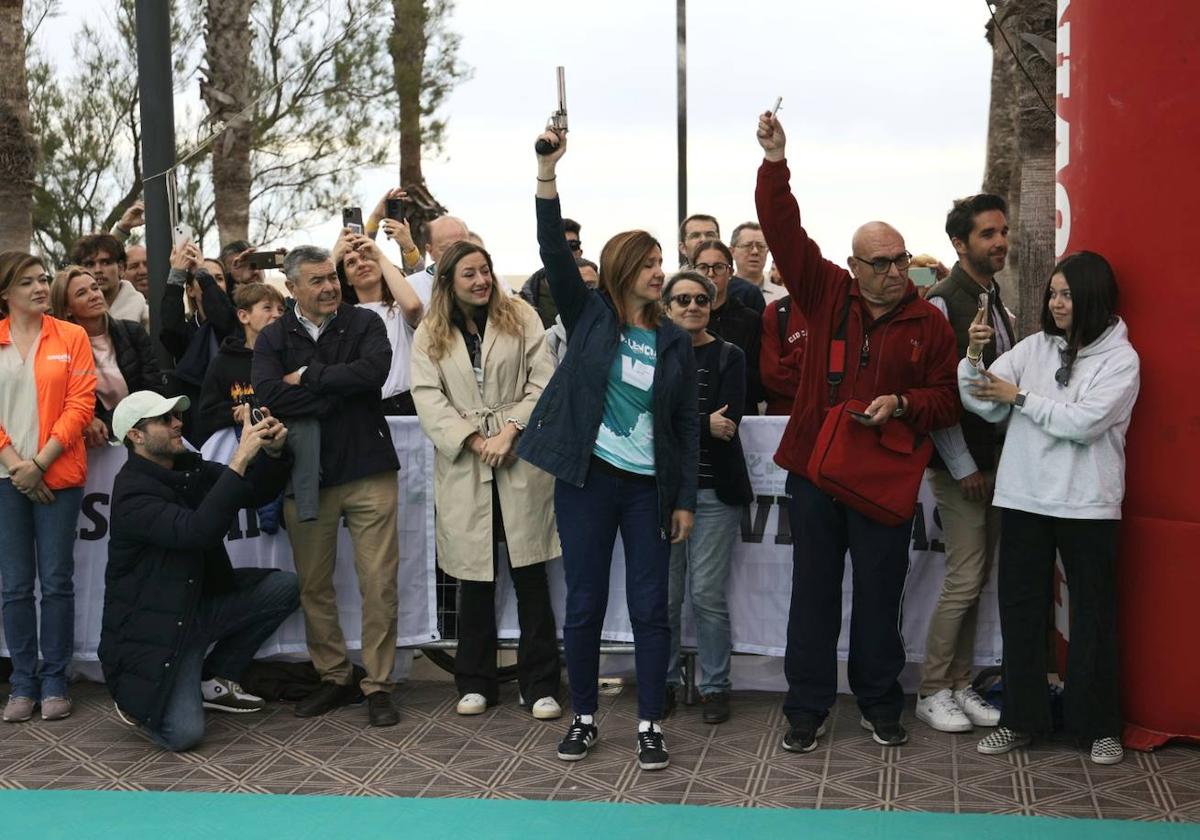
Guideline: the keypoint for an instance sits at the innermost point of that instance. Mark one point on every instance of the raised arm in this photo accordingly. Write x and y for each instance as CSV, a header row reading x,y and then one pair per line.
x,y
808,276
567,288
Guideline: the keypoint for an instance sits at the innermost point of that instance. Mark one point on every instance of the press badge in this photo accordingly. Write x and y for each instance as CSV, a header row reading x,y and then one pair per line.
x,y
638,374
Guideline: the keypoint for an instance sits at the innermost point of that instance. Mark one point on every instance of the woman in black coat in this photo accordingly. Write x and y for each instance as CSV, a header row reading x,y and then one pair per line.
x,y
125,361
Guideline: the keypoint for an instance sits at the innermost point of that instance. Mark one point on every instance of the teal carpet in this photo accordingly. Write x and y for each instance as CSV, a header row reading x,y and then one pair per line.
x,y
98,815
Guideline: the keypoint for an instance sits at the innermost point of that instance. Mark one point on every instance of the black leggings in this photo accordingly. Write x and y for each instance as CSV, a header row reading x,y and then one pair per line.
x,y
1091,703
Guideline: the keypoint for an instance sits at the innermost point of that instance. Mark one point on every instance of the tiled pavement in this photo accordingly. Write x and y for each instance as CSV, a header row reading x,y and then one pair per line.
x,y
505,754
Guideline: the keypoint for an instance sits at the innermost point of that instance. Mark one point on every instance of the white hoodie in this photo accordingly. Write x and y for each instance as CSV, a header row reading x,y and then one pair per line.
x,y
1064,454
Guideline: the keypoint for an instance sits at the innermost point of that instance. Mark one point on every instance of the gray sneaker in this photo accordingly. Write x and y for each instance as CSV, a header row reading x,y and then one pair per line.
x,y
18,709
224,695
56,708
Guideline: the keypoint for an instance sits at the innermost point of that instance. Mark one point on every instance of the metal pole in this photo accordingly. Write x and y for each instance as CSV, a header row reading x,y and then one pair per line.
x,y
155,95
681,99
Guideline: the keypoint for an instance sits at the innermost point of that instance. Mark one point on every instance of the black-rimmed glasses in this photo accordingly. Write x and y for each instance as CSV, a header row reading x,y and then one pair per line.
x,y
881,265
712,268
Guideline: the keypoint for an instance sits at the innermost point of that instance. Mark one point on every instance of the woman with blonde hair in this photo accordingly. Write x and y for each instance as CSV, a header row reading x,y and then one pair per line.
x,y
124,359
47,394
479,364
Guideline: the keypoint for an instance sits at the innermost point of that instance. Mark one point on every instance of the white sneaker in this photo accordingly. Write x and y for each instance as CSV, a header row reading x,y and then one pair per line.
x,y
979,711
472,704
1107,751
941,712
546,709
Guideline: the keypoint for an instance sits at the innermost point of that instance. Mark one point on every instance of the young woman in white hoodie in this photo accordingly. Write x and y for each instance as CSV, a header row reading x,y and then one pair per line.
x,y
1067,393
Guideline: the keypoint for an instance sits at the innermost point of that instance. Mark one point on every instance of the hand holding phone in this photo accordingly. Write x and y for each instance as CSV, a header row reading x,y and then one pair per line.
x,y
352,218
861,415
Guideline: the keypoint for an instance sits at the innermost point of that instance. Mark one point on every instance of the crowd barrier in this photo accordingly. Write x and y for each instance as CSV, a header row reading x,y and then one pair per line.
x,y
760,583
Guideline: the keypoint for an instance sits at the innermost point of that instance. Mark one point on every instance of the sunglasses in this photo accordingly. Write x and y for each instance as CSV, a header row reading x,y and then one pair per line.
x,y
575,244
686,300
165,419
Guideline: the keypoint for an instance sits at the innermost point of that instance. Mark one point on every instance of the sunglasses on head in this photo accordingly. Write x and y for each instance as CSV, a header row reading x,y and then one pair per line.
x,y
684,299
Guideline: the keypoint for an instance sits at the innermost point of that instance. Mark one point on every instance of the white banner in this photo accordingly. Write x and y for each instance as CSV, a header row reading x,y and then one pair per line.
x,y
760,585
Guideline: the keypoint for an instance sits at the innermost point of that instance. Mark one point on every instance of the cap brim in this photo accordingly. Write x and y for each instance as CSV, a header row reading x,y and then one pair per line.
x,y
156,409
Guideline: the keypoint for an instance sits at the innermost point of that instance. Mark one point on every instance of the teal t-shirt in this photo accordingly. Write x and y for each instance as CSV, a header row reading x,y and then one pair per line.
x,y
626,436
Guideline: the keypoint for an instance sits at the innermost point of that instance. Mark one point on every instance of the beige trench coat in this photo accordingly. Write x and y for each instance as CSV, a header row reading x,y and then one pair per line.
x,y
451,408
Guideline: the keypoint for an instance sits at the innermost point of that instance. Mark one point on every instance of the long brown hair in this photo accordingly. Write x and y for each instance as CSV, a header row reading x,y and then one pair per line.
x,y
503,309
620,264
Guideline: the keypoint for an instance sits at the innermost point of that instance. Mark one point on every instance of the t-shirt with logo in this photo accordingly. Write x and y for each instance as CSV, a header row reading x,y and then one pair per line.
x,y
626,435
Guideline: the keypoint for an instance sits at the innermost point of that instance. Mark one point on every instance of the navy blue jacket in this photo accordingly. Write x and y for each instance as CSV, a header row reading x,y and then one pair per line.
x,y
562,429
342,387
166,550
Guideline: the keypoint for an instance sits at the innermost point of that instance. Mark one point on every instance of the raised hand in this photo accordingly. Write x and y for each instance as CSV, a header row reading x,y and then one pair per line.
x,y
771,137
556,139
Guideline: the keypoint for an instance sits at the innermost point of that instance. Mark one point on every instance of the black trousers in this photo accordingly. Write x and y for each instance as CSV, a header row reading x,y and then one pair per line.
x,y
538,668
822,532
1091,702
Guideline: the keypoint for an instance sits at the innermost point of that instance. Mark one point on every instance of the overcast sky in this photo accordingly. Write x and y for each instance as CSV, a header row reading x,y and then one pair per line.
x,y
884,103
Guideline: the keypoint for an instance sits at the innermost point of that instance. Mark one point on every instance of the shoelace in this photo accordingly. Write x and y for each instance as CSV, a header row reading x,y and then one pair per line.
x,y
970,695
577,731
945,703
651,739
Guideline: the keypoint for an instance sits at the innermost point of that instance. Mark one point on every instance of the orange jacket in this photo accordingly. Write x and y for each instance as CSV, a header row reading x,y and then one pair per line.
x,y
65,374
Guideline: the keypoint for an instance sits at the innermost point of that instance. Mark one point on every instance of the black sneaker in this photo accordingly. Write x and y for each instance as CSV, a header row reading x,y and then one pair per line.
x,y
887,733
579,739
652,750
803,737
326,697
716,707
670,700
380,711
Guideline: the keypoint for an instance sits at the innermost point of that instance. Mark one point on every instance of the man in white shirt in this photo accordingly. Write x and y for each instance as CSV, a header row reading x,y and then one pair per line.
x,y
963,471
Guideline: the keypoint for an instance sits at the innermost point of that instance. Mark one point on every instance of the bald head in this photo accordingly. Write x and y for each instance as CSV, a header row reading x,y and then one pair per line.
x,y
873,235
444,231
879,241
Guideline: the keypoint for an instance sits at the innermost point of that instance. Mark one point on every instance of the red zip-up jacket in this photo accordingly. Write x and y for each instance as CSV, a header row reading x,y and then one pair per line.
x,y
779,361
910,351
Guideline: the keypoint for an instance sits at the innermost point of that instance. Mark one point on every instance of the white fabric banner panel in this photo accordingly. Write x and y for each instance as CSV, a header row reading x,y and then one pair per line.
x,y
249,547
761,580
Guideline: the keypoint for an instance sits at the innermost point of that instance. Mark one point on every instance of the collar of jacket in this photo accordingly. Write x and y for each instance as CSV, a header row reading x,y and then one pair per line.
x,y
291,321
185,464
967,283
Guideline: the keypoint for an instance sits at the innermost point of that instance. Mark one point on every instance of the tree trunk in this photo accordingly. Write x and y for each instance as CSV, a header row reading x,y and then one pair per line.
x,y
407,46
226,92
1035,148
1001,173
18,152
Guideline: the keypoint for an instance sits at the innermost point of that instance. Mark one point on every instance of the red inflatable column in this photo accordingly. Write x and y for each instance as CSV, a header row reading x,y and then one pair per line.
x,y
1129,188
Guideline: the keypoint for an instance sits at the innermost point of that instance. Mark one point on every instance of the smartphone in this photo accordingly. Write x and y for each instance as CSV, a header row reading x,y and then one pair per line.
x,y
264,259
984,305
352,219
922,276
256,415
181,234
395,209
861,415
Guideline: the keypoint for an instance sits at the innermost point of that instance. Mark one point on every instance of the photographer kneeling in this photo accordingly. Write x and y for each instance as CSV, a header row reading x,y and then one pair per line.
x,y
170,590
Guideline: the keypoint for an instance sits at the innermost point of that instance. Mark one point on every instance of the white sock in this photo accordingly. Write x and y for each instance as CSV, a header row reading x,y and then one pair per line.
x,y
647,725
587,719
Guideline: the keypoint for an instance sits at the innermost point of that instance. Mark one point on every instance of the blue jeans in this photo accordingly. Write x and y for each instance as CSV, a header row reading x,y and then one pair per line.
x,y
588,520
50,529
238,622
701,567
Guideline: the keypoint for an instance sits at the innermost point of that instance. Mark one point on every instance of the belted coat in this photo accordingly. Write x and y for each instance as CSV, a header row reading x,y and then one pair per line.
x,y
452,406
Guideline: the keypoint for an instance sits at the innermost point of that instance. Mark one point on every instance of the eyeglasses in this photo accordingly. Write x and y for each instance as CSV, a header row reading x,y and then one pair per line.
x,y
712,268
882,265
1063,375
165,419
752,246
684,299
575,244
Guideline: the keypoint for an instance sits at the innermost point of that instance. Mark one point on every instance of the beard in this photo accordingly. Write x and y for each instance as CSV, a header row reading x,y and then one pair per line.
x,y
981,264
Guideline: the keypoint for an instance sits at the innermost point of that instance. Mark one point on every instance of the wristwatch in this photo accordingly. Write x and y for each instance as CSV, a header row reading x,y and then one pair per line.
x,y
520,426
899,406
1019,400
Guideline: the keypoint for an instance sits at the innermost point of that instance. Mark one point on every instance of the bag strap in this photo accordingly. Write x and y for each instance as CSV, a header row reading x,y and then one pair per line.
x,y
837,352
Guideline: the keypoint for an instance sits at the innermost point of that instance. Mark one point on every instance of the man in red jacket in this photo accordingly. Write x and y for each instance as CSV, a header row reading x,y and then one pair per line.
x,y
900,358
